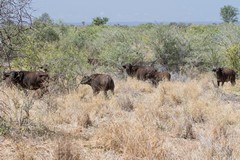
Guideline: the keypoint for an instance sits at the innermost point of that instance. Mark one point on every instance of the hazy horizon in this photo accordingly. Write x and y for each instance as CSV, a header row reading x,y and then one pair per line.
x,y
152,11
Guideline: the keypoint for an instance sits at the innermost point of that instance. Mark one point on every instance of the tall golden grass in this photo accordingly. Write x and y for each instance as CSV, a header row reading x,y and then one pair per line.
x,y
176,120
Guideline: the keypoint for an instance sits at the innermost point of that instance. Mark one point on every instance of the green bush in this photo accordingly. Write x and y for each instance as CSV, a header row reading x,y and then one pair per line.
x,y
170,46
4,128
233,56
67,49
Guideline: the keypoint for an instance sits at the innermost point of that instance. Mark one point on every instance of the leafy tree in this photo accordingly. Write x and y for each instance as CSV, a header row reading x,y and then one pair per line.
x,y
45,29
229,14
171,48
48,34
43,19
100,21
14,21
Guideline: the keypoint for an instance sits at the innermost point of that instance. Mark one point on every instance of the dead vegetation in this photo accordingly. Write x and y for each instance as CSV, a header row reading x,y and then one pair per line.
x,y
176,120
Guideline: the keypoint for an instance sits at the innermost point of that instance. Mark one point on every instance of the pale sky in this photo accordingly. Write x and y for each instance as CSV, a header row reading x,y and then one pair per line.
x,y
76,11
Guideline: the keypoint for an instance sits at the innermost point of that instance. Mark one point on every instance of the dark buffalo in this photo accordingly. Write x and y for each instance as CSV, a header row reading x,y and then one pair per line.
x,y
159,76
99,82
138,71
30,80
225,75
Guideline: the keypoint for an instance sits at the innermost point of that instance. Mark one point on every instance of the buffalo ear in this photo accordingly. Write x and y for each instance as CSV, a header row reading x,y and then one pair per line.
x,y
134,68
88,78
130,66
20,75
4,73
85,79
220,69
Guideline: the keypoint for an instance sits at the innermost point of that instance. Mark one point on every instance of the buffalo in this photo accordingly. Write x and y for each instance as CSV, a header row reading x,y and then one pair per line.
x,y
225,75
99,82
159,76
138,71
29,80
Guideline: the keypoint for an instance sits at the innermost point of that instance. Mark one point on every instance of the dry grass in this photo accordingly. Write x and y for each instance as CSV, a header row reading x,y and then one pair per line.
x,y
176,120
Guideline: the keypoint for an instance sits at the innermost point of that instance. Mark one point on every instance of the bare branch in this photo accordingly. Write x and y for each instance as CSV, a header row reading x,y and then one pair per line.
x,y
15,19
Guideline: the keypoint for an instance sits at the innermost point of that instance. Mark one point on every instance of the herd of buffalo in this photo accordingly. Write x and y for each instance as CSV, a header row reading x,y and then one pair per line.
x,y
39,80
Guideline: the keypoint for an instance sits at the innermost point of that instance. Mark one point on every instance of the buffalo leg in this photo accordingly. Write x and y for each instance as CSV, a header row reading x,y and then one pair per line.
x,y
154,82
233,83
25,92
38,94
95,92
218,83
105,93
112,91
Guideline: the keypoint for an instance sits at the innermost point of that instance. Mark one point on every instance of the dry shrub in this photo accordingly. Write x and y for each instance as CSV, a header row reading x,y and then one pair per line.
x,y
131,139
220,146
186,131
23,153
133,86
221,141
65,151
198,110
176,120
168,95
26,149
125,103
84,121
15,111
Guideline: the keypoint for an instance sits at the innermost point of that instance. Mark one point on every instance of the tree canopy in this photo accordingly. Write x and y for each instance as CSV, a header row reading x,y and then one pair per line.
x,y
229,14
100,21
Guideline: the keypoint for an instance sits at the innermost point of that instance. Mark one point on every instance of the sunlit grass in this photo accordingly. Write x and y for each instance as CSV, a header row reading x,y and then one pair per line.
x,y
176,120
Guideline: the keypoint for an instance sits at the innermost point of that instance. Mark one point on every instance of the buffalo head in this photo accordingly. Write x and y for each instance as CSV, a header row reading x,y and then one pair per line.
x,y
218,70
131,69
86,80
127,66
16,76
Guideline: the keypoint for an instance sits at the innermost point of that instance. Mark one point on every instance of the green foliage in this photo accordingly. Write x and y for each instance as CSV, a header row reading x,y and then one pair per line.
x,y
233,56
218,41
43,19
114,46
67,49
171,48
45,29
47,34
30,56
14,21
83,38
4,128
229,14
100,21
